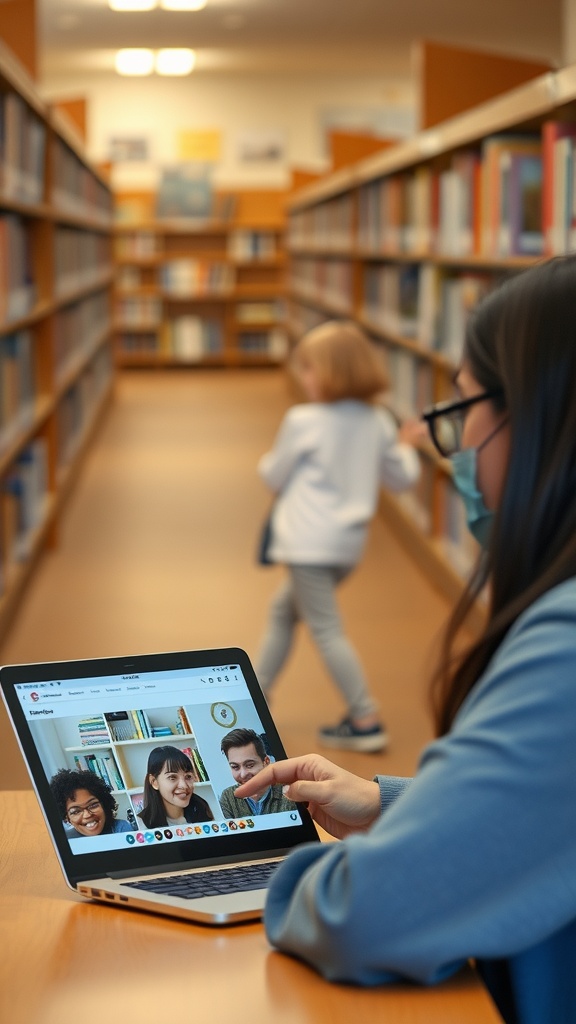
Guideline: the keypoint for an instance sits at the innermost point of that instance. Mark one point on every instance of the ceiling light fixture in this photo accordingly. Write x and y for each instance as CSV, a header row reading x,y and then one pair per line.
x,y
175,61
132,5
134,62
150,5
183,5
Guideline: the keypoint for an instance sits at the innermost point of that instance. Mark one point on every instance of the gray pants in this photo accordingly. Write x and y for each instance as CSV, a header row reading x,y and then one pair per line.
x,y
309,595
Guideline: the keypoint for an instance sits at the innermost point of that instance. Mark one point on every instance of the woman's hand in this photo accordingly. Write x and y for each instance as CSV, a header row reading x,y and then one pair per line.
x,y
339,801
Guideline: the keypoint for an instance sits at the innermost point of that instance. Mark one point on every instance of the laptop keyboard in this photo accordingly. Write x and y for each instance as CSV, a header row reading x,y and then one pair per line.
x,y
210,883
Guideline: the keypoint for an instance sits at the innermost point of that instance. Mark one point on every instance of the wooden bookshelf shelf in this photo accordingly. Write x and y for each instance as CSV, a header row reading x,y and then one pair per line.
x,y
406,242
56,366
180,284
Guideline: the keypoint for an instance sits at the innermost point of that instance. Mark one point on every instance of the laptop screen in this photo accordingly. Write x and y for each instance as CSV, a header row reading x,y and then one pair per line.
x,y
143,756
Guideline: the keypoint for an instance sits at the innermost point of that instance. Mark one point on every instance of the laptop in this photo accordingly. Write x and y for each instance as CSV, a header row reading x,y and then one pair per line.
x,y
109,717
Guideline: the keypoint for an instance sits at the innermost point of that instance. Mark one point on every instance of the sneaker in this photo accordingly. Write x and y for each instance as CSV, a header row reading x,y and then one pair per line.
x,y
346,736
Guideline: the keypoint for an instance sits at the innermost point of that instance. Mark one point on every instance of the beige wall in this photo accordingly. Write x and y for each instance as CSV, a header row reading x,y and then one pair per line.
x,y
159,109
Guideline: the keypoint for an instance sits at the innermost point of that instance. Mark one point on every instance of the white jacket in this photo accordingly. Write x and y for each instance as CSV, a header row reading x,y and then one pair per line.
x,y
327,465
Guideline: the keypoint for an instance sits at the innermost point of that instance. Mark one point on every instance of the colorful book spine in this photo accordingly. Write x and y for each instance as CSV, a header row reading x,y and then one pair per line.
x,y
199,765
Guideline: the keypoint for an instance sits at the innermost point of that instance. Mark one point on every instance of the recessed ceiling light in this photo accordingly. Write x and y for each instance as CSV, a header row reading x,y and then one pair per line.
x,y
134,62
183,5
132,5
175,61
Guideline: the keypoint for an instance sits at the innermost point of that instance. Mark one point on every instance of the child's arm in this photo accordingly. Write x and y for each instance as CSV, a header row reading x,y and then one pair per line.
x,y
413,432
277,465
399,465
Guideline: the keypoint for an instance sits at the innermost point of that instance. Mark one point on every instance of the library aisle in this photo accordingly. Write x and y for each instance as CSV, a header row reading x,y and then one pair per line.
x,y
156,552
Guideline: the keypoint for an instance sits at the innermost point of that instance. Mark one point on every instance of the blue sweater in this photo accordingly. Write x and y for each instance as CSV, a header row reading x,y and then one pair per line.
x,y
473,858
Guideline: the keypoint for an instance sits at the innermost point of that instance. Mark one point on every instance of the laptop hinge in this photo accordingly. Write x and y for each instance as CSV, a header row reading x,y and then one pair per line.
x,y
211,862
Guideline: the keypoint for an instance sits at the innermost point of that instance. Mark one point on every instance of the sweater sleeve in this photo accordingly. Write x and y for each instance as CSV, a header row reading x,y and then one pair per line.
x,y
477,856
399,463
277,465
391,786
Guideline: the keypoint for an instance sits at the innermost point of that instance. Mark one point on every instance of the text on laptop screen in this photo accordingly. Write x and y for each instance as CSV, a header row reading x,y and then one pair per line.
x,y
153,757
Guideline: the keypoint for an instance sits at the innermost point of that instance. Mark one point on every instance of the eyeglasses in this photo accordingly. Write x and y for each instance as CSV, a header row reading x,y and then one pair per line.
x,y
446,421
93,807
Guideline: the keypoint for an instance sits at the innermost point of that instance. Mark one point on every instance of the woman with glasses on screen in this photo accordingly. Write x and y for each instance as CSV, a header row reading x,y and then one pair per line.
x,y
476,856
86,804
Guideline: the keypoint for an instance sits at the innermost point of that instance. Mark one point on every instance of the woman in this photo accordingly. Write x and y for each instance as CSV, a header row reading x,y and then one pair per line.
x,y
169,797
86,804
476,856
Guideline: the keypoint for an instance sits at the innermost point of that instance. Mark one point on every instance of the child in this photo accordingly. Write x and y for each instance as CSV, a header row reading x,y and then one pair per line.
x,y
326,467
169,797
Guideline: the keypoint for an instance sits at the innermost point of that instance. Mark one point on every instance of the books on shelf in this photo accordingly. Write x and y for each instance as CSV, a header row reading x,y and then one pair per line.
x,y
520,232
183,192
457,543
80,257
261,312
18,289
190,338
183,722
244,244
199,765
412,382
103,765
92,730
327,281
22,150
559,192
75,190
330,225
17,385
187,277
139,343
459,294
392,297
78,406
497,152
272,343
458,213
136,245
79,329
24,493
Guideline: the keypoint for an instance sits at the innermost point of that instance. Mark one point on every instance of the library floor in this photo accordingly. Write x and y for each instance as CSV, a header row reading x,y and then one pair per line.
x,y
156,552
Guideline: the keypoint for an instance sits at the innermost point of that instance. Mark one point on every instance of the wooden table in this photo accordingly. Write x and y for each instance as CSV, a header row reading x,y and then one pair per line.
x,y
66,960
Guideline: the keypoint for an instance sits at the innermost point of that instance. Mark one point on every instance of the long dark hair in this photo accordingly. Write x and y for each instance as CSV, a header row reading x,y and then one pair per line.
x,y
522,340
153,813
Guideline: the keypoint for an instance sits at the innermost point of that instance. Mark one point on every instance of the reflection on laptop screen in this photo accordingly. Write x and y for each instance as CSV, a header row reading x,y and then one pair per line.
x,y
139,759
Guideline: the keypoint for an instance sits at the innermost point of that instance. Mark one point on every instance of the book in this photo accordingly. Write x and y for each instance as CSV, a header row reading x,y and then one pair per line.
x,y
199,765
184,193
184,720
495,152
520,229
554,179
190,754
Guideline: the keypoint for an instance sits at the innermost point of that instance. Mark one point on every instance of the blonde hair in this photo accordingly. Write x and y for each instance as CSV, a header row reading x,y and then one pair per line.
x,y
346,363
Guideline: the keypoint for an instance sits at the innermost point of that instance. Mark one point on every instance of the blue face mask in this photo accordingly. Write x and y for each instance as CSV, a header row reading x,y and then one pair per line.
x,y
478,518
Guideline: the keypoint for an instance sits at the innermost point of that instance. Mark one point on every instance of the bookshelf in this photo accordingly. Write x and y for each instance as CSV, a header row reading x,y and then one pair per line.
x,y
200,291
56,366
116,746
406,241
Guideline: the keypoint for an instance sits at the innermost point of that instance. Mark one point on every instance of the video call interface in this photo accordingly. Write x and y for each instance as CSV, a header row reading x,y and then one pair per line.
x,y
148,758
